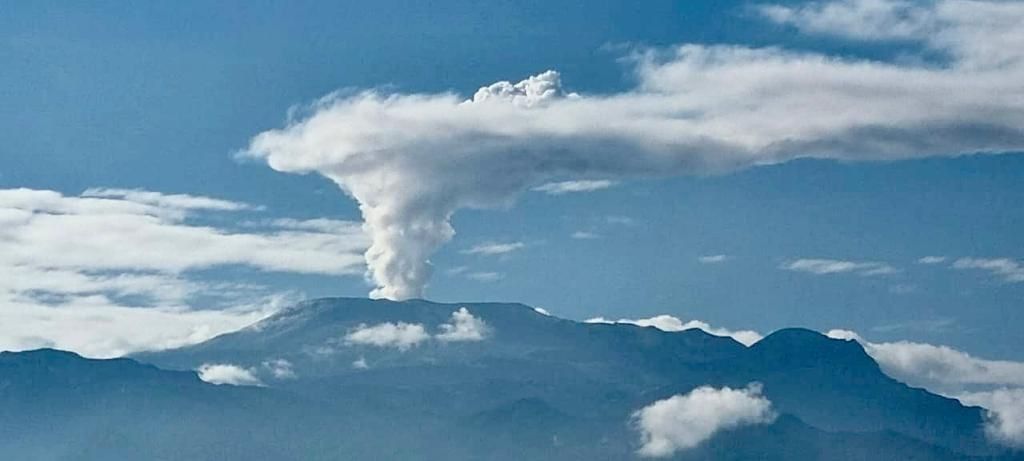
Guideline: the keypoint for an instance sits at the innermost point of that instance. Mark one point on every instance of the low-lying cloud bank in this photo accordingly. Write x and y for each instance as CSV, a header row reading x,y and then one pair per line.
x,y
412,160
666,322
684,421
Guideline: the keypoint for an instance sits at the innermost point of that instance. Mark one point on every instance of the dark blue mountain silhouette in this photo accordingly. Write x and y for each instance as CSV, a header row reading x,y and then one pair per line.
x,y
537,387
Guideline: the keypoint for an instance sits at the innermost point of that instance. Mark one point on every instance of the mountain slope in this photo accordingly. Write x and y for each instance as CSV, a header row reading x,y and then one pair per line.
x,y
532,387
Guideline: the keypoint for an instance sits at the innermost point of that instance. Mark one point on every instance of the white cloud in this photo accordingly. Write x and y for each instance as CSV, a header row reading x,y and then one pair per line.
x,y
1005,413
463,326
485,276
401,335
225,373
109,272
280,369
159,239
360,364
859,19
566,187
491,248
684,421
977,35
713,259
165,201
835,266
413,160
1007,269
670,323
584,235
95,326
932,260
533,91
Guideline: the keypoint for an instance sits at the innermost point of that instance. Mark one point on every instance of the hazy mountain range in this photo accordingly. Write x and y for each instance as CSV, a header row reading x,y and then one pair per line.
x,y
364,379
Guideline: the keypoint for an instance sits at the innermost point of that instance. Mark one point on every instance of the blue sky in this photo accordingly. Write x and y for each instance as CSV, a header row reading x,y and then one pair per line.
x,y
161,97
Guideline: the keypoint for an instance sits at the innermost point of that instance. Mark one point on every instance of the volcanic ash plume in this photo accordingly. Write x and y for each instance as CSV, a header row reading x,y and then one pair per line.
x,y
411,160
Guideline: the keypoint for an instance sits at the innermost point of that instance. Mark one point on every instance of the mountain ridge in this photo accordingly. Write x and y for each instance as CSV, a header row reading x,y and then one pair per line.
x,y
541,387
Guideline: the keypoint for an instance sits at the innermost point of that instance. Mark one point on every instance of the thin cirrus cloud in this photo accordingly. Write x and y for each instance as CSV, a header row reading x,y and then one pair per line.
x,y
996,385
486,277
684,421
494,248
108,272
568,187
449,152
713,259
1009,270
836,266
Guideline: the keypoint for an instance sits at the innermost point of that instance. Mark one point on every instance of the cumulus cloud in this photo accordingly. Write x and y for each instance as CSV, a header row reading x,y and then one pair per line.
x,y
582,185
684,421
412,160
670,323
463,326
957,374
225,373
1007,269
713,259
360,364
401,335
109,272
492,248
835,266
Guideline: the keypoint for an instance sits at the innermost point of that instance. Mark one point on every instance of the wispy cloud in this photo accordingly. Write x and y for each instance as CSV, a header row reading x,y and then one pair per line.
x,y
584,235
1007,269
835,266
485,276
494,248
932,260
713,259
111,271
566,187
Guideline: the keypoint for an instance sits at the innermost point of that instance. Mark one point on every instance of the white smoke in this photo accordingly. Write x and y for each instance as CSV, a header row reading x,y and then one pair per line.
x,y
412,160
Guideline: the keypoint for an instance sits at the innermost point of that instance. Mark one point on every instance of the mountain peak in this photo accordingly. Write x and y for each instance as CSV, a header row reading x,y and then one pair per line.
x,y
803,347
